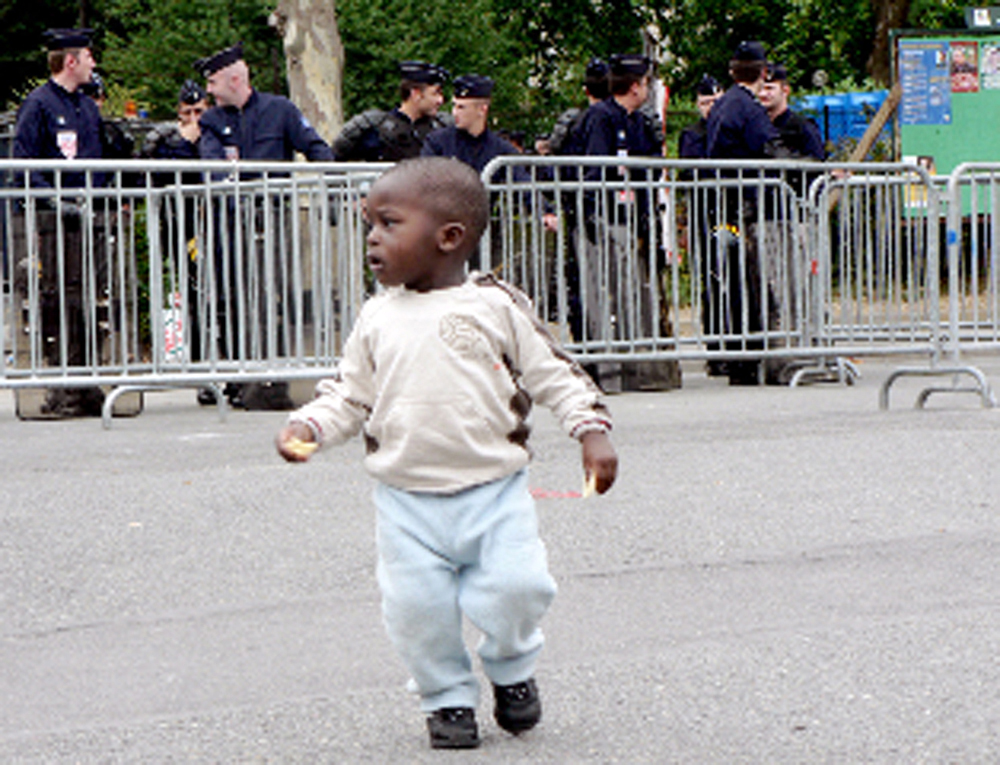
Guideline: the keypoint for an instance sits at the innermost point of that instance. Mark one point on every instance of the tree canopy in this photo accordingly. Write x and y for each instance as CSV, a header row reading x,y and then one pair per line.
x,y
536,50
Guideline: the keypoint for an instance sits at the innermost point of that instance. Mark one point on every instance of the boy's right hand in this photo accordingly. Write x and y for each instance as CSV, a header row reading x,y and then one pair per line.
x,y
295,442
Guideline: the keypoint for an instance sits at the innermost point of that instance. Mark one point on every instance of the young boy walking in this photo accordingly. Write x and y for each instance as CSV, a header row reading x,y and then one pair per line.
x,y
440,371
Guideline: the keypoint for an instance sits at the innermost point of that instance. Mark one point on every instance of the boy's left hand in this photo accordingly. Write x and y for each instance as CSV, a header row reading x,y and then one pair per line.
x,y
599,460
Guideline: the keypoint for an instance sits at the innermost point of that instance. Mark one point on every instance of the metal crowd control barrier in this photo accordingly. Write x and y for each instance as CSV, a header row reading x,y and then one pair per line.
x,y
174,274
799,266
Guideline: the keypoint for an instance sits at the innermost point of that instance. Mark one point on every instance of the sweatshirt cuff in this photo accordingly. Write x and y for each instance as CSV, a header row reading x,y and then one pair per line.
x,y
309,422
590,426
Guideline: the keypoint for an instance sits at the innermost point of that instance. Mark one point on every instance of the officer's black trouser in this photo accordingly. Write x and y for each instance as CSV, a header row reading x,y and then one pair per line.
x,y
733,303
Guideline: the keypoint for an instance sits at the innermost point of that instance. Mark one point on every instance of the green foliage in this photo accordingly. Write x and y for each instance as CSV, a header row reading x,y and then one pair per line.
x,y
535,51
806,35
22,52
151,45
937,14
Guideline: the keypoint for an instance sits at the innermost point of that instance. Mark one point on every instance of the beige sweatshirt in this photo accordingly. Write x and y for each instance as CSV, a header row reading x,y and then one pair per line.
x,y
443,383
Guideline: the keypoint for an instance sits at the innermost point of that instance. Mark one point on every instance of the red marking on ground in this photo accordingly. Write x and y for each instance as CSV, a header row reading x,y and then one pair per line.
x,y
552,494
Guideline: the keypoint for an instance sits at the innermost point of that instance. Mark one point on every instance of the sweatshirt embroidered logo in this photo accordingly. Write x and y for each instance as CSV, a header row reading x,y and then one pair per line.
x,y
464,335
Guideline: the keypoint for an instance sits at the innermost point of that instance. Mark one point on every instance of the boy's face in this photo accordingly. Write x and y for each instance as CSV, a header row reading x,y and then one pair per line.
x,y
403,239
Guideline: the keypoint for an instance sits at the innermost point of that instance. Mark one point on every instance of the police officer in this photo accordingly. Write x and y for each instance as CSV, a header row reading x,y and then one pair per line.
x,y
59,121
563,139
469,139
799,133
693,138
249,125
781,237
245,124
619,226
739,128
380,136
692,145
179,139
180,224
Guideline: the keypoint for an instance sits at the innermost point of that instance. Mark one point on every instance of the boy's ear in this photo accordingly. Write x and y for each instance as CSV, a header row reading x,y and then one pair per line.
x,y
450,236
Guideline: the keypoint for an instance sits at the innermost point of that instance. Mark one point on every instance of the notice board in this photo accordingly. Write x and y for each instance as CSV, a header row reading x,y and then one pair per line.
x,y
950,110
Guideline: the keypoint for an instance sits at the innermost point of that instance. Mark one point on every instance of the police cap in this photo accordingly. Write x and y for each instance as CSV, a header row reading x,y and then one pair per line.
x,y
473,86
62,39
708,86
749,51
630,63
776,72
191,93
596,69
421,71
211,64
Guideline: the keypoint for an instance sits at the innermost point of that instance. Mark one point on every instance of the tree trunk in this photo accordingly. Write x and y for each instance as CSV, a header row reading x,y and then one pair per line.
x,y
889,14
313,60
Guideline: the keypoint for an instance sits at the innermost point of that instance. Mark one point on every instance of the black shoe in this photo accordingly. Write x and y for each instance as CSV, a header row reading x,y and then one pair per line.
x,y
744,373
73,402
453,728
206,397
716,368
234,394
518,707
267,397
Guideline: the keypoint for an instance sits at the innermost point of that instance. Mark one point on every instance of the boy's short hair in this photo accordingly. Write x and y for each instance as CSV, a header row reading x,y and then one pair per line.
x,y
452,191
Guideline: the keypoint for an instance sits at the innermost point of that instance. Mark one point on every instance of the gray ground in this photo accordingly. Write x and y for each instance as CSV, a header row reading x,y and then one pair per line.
x,y
779,576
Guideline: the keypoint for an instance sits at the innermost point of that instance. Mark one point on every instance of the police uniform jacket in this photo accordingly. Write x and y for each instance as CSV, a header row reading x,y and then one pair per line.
x,y
608,129
53,123
473,150
383,136
738,127
268,127
800,134
693,141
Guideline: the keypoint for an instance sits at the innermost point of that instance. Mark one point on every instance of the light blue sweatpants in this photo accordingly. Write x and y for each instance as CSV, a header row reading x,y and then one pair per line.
x,y
476,553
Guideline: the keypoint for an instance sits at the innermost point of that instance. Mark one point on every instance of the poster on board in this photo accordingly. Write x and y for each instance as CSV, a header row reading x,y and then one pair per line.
x,y
964,70
924,73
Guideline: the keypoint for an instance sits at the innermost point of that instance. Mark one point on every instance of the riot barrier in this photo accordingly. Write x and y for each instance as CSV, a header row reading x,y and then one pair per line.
x,y
170,274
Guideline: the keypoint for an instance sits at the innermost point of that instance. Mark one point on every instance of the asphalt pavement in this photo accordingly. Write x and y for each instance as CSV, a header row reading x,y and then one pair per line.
x,y
779,576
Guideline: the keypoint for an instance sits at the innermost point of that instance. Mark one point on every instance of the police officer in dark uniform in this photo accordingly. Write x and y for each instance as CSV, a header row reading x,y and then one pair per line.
x,y
469,139
619,225
248,125
59,121
692,145
179,139
799,133
181,222
380,136
781,233
563,138
693,138
739,128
